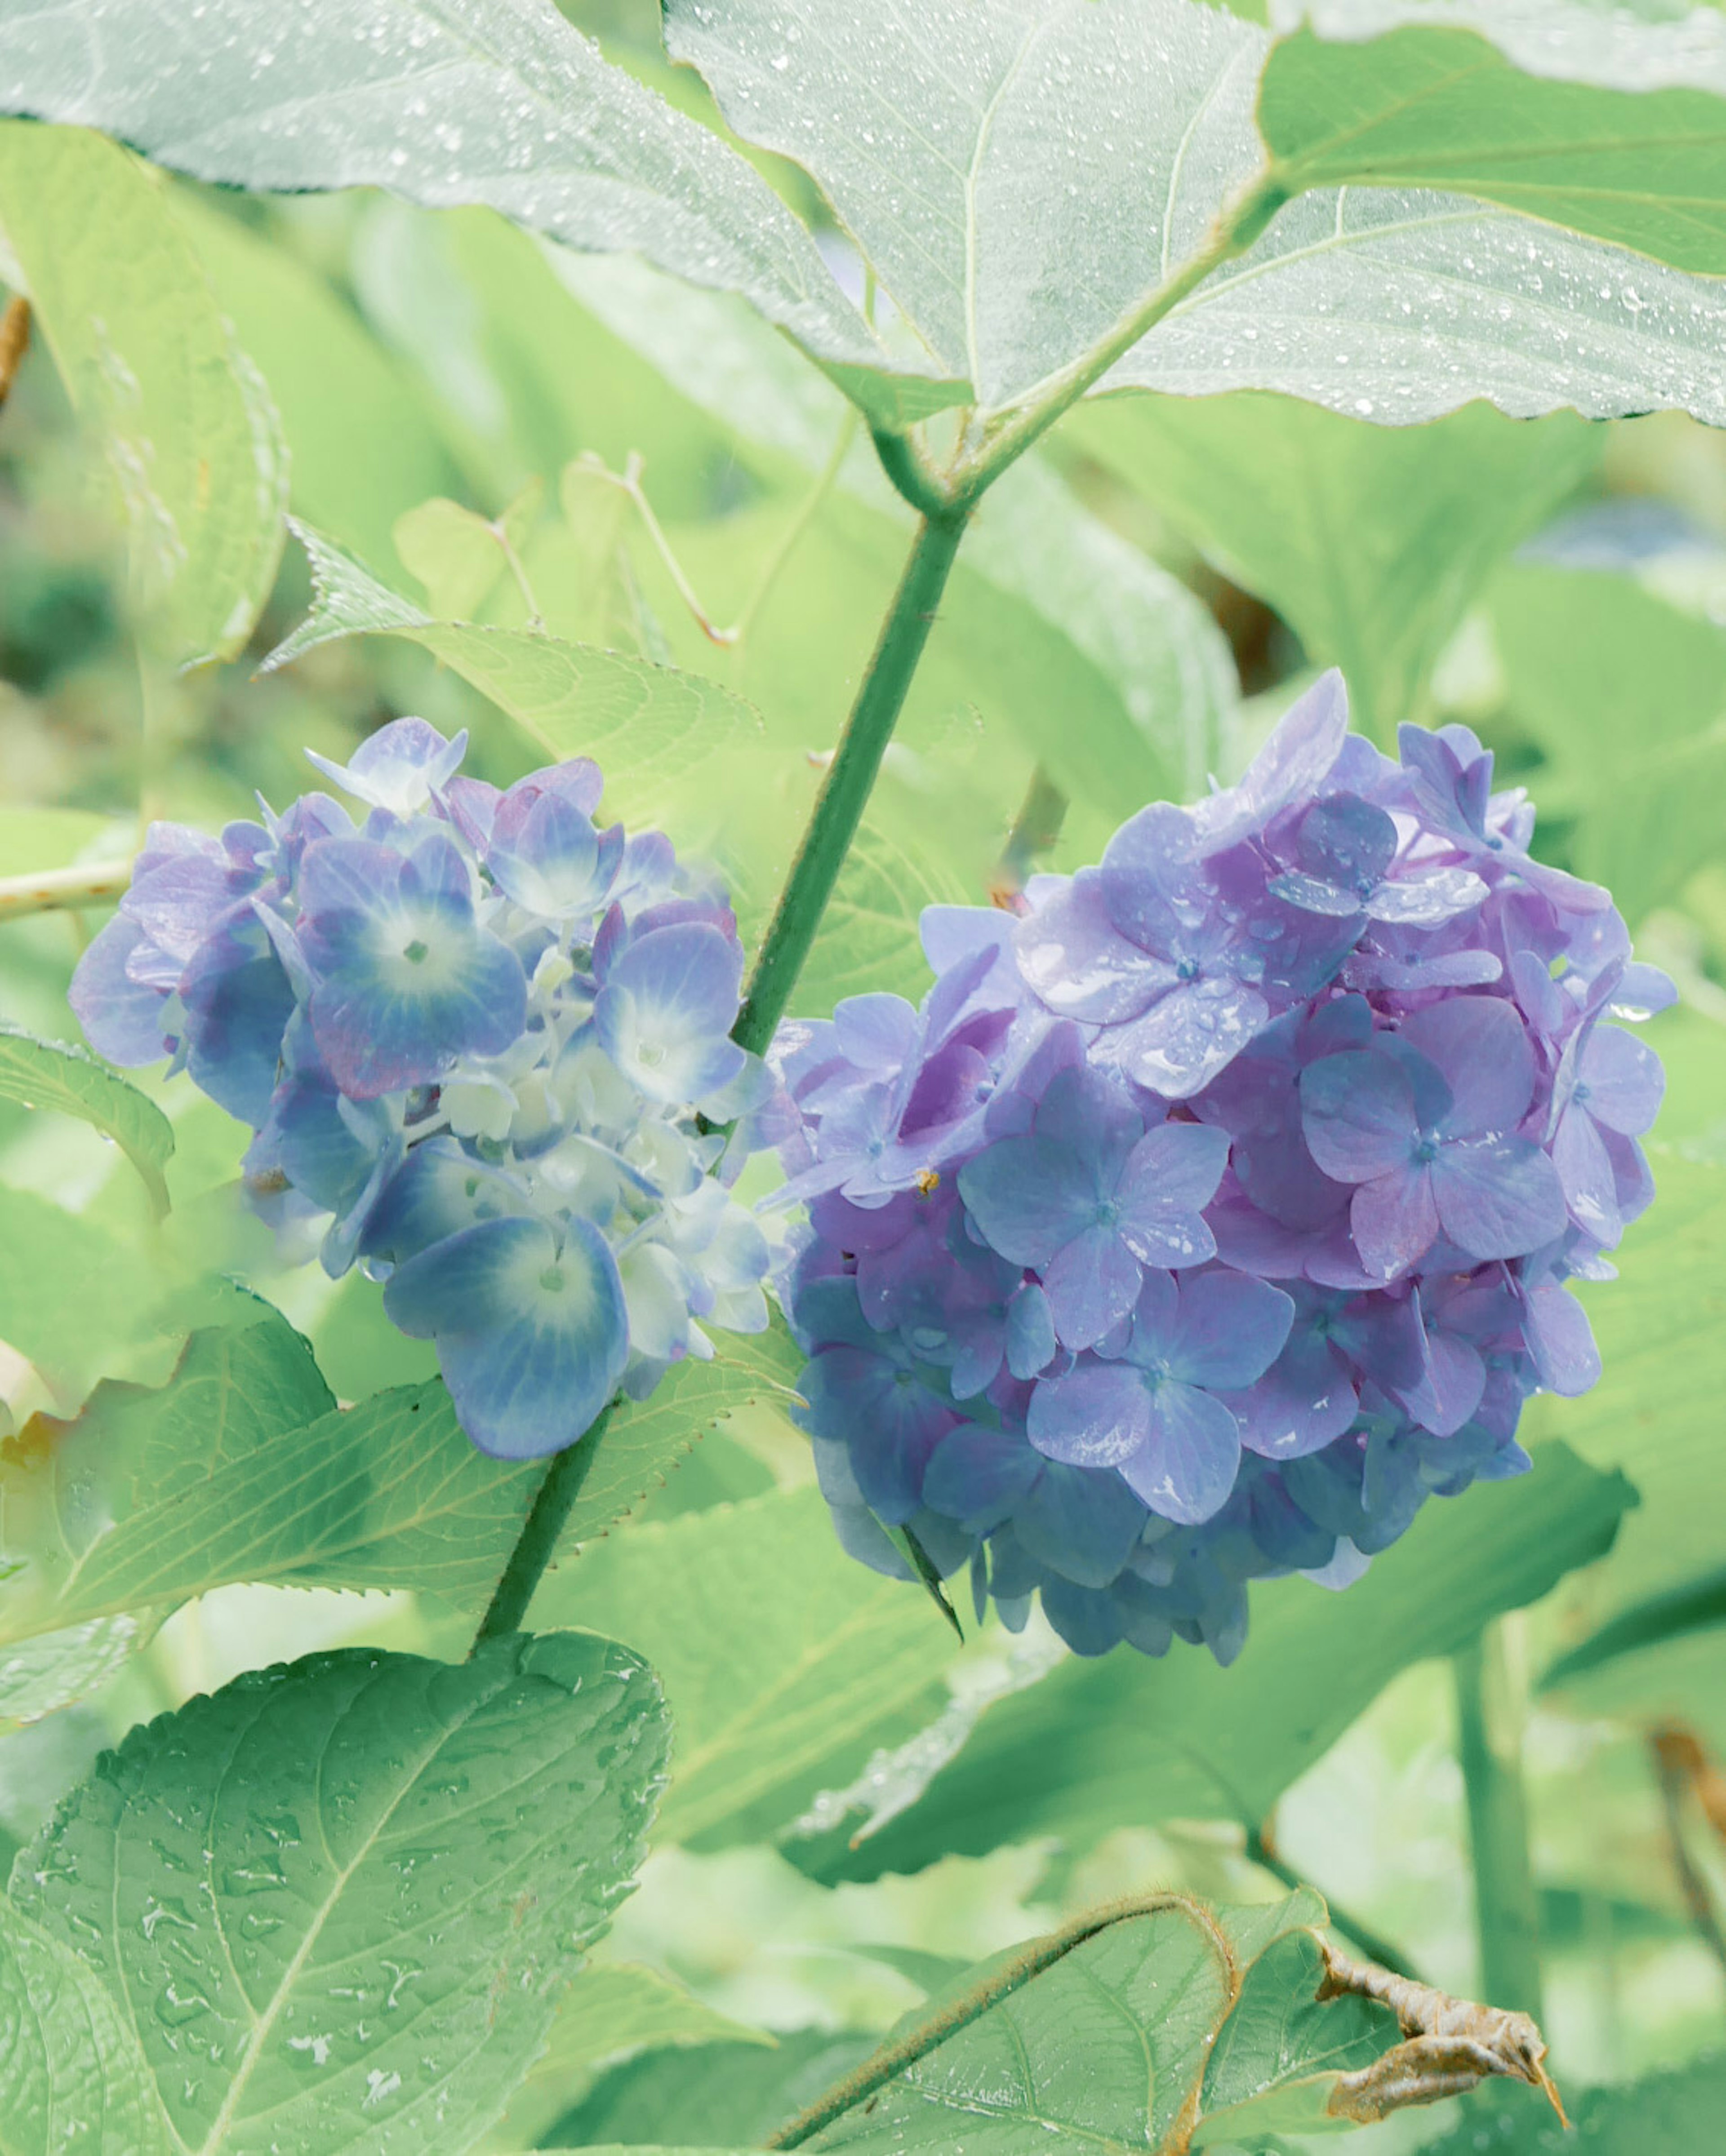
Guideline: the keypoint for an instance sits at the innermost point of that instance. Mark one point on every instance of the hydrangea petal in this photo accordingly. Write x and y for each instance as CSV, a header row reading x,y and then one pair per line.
x,y
1358,1111
531,1338
1097,1415
1187,1465
666,1011
1499,1198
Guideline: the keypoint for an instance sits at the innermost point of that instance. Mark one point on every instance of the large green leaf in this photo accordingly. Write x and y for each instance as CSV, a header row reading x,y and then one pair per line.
x,y
1164,2026
1626,697
335,1903
1594,137
46,1074
363,443
652,722
488,102
189,430
1396,306
233,1472
784,1661
1371,541
73,2080
735,2093
1022,177
1123,1741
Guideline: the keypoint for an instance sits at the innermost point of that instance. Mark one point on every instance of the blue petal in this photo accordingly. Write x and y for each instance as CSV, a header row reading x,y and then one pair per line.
x,y
1079,1523
666,1008
1030,1197
439,1190
121,1016
531,1340
1187,1465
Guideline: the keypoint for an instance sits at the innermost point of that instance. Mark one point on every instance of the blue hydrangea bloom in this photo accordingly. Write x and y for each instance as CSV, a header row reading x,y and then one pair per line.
x,y
1216,1211
480,1037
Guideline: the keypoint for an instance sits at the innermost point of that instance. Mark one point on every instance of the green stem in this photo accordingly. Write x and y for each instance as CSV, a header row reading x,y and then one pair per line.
x,y
846,790
546,1519
1489,1745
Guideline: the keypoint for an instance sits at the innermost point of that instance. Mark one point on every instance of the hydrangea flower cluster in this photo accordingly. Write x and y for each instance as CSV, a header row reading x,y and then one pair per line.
x,y
1209,1214
479,1037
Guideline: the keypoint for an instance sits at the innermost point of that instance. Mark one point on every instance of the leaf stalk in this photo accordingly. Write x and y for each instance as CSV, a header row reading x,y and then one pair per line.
x,y
535,1547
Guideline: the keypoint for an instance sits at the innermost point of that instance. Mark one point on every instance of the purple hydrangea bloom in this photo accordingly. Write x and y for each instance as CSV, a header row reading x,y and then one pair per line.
x,y
484,1039
1216,1211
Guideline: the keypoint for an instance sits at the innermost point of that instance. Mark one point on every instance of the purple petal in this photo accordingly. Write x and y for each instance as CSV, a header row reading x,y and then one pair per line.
x,y
1500,1197
1358,1112
1031,1331
1182,1042
1424,901
1579,1152
665,1010
1229,1330
1394,1221
1345,840
121,1018
1481,1047
1080,1522
1308,740
1091,1114
1304,1400
1186,1467
1029,1197
1096,1416
1313,895
1073,958
1092,1284
1172,1173
876,1033
1624,1080
1560,1340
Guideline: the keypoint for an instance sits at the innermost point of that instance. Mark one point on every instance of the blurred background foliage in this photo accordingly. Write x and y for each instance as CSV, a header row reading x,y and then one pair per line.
x,y
463,409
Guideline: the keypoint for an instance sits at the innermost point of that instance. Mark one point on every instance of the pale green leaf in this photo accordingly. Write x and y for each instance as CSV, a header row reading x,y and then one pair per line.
x,y
1396,306
613,2011
32,839
869,935
1021,176
235,1471
784,1661
1618,128
187,428
45,1074
55,1269
1371,541
363,442
490,102
1627,697
50,1669
453,552
73,2080
335,1903
735,2093
651,723
1124,1741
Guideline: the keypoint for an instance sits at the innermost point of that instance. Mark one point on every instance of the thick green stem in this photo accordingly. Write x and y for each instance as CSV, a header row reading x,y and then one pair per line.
x,y
1489,1744
546,1519
849,778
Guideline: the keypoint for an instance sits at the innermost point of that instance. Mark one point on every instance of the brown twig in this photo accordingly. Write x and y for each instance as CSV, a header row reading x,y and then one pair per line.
x,y
14,341
1681,1766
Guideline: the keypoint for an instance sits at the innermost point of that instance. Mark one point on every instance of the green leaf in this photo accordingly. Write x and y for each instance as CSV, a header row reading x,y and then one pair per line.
x,y
73,2080
1666,2113
494,103
784,1661
654,722
50,1669
1372,542
55,1268
189,432
47,1074
335,1903
1123,1741
1589,137
1277,2055
612,2012
869,935
235,1471
1698,1605
363,443
1627,697
737,2093
1127,2030
1021,178
32,839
